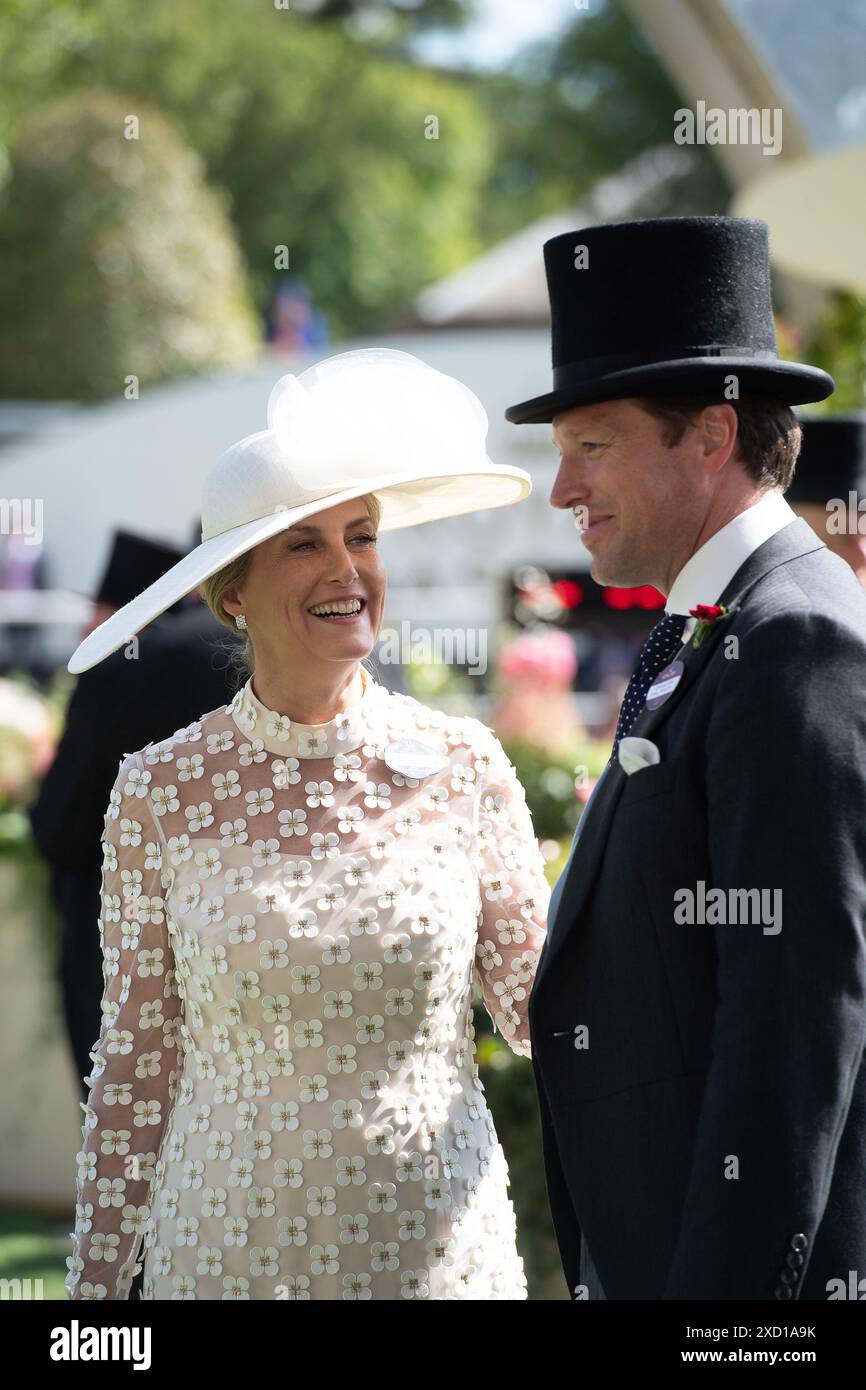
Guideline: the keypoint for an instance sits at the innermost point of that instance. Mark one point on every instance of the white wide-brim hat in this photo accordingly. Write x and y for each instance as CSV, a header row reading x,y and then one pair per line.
x,y
370,421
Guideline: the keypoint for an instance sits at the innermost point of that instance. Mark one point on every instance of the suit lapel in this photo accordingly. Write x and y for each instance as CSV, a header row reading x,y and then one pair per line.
x,y
795,539
596,820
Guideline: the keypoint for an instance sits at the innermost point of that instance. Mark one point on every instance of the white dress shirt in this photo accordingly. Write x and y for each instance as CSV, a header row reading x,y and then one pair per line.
x,y
705,575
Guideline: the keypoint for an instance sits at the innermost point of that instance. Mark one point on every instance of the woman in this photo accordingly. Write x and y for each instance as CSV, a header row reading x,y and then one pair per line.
x,y
297,891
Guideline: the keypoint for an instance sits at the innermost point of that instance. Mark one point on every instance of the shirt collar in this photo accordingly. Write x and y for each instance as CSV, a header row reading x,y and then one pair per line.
x,y
706,574
279,734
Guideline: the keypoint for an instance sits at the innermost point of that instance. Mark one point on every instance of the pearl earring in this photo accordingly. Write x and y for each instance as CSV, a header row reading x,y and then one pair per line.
x,y
241,622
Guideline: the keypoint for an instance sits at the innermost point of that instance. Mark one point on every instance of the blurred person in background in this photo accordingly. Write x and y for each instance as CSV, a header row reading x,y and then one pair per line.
x,y
111,710
831,466
294,324
22,570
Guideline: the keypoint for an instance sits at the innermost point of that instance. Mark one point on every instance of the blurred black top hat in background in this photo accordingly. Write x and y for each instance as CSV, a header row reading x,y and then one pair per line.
x,y
133,563
832,459
666,306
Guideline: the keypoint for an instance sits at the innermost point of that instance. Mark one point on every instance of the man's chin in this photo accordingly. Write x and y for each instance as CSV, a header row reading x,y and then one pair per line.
x,y
605,571
613,576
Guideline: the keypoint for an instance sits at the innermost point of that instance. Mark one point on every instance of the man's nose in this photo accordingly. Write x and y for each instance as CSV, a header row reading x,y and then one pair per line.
x,y
568,485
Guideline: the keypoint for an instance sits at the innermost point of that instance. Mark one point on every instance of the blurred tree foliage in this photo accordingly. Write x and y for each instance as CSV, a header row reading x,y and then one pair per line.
x,y
392,18
571,110
316,122
549,781
115,256
839,347
321,142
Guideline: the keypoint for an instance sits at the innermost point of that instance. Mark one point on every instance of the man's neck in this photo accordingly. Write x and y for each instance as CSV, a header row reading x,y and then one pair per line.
x,y
723,512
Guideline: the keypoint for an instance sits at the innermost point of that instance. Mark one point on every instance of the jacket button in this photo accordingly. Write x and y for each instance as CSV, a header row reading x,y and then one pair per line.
x,y
799,1241
783,1292
794,1259
787,1277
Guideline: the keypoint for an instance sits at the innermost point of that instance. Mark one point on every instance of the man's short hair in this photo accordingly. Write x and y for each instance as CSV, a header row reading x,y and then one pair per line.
x,y
768,432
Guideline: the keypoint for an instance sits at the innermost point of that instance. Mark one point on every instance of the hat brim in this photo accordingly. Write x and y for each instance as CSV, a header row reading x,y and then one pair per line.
x,y
406,501
793,383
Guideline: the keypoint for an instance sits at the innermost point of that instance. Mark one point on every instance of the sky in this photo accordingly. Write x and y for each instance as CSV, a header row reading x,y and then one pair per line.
x,y
503,27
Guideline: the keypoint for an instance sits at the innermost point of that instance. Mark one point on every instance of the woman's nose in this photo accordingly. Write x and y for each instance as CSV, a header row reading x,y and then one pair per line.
x,y
344,567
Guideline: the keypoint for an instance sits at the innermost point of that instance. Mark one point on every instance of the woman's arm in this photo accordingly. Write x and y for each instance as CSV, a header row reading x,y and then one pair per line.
x,y
515,894
136,1057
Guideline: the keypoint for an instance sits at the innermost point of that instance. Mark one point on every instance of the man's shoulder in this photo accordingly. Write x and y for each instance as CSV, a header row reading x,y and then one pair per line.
x,y
817,590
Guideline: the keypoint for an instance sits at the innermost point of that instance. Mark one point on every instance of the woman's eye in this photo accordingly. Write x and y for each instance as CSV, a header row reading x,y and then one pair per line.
x,y
302,545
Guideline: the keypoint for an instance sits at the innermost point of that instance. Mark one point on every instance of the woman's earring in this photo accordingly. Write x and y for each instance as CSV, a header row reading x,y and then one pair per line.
x,y
241,622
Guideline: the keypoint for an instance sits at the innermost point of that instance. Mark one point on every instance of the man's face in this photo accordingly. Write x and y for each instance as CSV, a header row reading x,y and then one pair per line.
x,y
638,504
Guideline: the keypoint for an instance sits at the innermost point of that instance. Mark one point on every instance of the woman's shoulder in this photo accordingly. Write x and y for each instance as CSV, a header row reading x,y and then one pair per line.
x,y
182,742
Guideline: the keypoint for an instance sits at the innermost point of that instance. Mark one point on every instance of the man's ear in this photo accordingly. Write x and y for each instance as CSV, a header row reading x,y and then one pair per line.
x,y
719,425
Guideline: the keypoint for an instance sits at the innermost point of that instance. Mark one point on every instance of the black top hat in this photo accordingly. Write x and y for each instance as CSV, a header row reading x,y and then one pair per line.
x,y
832,459
667,306
134,563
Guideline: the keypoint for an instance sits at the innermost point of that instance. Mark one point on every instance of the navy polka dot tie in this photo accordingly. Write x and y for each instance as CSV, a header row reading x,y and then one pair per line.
x,y
659,648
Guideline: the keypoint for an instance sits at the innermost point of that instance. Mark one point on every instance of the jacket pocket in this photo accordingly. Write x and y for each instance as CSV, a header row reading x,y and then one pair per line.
x,y
656,780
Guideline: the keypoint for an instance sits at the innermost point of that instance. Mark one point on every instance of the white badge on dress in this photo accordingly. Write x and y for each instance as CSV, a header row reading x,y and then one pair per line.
x,y
413,758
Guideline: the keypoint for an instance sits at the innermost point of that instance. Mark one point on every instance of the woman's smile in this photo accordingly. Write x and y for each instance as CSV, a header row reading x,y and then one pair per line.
x,y
340,611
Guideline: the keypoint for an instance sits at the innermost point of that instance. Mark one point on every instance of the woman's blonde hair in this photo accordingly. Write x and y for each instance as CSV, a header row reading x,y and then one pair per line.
x,y
213,590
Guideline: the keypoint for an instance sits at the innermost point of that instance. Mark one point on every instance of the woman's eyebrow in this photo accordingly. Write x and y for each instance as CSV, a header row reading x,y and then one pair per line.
x,y
316,530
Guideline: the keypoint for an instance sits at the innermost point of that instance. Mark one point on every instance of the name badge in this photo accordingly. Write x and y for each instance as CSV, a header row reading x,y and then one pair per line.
x,y
414,759
664,685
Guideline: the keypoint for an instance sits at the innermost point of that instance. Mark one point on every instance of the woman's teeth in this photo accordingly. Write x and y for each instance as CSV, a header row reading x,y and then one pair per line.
x,y
337,610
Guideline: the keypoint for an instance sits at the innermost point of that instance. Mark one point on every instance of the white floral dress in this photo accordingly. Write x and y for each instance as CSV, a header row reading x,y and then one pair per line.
x,y
285,1101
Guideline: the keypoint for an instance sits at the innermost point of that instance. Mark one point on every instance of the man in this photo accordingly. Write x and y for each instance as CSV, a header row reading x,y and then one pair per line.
x,y
831,467
698,1016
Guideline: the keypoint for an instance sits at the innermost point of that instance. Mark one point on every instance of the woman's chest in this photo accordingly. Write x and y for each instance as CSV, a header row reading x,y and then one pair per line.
x,y
399,910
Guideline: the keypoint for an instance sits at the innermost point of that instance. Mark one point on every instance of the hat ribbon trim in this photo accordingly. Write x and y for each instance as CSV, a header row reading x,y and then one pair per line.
x,y
586,367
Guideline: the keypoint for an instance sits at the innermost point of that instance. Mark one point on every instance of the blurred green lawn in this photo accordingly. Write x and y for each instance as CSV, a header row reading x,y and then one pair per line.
x,y
35,1246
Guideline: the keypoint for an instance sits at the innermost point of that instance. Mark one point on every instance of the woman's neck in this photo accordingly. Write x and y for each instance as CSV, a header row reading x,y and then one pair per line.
x,y
317,697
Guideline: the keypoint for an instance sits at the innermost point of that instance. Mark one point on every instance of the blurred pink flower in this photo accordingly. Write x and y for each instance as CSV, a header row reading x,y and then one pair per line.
x,y
546,657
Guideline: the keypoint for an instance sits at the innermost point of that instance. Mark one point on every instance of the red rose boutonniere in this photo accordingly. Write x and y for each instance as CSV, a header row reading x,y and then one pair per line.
x,y
706,614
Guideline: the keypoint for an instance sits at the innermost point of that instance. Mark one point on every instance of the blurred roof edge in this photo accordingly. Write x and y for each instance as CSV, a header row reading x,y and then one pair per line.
x,y
507,285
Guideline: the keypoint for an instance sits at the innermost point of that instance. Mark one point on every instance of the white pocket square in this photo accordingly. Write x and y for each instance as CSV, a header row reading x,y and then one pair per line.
x,y
635,753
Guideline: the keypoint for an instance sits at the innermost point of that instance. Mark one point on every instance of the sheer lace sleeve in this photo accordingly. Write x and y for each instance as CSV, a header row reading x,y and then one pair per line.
x,y
512,919
136,1056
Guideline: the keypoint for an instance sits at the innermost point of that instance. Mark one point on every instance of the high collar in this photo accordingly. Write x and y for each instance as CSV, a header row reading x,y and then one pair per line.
x,y
280,734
